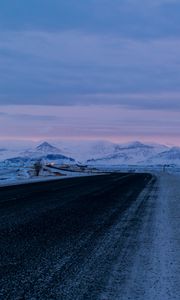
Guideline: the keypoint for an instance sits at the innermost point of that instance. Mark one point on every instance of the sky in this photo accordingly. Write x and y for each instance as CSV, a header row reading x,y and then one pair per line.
x,y
94,69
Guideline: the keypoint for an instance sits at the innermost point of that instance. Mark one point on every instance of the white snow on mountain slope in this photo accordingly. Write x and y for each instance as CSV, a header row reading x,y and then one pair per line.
x,y
40,150
136,144
88,150
172,156
47,148
94,153
45,152
131,153
84,150
8,153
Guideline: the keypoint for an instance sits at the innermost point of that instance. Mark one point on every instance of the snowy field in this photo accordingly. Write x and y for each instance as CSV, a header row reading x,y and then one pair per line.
x,y
11,176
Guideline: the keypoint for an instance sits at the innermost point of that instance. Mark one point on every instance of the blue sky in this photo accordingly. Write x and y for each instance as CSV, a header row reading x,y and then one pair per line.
x,y
98,52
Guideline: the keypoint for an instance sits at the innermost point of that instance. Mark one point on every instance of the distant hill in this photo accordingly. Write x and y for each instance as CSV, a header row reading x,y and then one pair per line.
x,y
44,151
172,156
131,153
97,152
47,148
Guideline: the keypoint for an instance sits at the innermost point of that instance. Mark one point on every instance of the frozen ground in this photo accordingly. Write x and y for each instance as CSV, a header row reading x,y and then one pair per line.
x,y
154,270
10,177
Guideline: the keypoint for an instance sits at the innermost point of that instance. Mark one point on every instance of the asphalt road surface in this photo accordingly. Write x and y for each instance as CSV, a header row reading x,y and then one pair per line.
x,y
81,238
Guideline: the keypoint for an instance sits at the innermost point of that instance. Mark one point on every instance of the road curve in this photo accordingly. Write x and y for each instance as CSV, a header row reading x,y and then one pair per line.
x,y
75,238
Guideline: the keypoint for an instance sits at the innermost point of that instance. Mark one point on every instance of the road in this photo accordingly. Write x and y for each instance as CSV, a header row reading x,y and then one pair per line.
x,y
87,238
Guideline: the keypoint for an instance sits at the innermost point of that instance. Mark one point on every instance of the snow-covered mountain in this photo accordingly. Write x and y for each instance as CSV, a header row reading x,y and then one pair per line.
x,y
131,153
96,153
171,156
8,153
41,150
45,152
84,150
47,148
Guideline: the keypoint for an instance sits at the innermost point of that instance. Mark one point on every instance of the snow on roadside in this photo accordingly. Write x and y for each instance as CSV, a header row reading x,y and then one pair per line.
x,y
14,181
156,270
153,273
167,240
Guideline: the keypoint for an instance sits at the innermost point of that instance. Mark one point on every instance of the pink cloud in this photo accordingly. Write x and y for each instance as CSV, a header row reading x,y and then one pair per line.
x,y
113,123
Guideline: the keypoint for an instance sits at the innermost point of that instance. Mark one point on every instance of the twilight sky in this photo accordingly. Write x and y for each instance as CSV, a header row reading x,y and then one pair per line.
x,y
94,69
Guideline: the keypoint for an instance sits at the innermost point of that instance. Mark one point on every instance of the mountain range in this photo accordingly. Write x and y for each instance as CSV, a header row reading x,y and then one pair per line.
x,y
99,153
131,153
